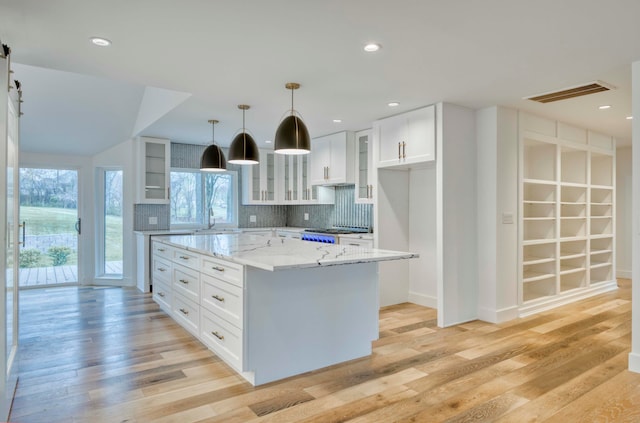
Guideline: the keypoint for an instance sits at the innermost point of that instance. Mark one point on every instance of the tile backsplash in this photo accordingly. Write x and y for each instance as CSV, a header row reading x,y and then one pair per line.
x,y
343,213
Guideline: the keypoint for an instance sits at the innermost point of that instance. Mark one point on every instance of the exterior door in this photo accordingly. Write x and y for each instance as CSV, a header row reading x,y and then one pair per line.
x,y
50,227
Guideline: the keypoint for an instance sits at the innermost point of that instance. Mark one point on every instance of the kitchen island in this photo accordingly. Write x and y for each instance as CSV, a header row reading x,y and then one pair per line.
x,y
271,307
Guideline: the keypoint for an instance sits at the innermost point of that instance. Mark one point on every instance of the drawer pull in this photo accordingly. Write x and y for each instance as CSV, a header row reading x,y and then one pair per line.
x,y
218,268
161,250
217,335
356,245
161,294
221,299
184,282
185,312
184,257
162,269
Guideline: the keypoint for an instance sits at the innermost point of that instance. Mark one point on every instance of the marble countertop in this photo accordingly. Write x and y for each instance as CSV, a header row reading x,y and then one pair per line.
x,y
275,253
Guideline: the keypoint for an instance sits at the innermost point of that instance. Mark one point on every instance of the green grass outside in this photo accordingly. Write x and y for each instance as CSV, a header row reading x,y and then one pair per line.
x,y
53,221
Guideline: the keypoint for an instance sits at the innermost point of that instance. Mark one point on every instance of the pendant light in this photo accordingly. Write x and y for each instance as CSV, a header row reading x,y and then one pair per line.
x,y
212,159
292,136
243,149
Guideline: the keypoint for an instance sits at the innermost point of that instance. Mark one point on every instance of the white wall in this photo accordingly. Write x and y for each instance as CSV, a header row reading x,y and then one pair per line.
x,y
623,212
86,209
634,356
497,144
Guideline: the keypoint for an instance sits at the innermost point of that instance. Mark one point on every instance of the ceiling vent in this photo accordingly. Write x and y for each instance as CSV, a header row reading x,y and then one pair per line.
x,y
586,89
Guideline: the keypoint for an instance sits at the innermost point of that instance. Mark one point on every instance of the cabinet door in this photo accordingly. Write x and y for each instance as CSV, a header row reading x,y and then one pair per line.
x,y
337,168
421,135
392,132
407,138
259,185
154,160
320,160
363,165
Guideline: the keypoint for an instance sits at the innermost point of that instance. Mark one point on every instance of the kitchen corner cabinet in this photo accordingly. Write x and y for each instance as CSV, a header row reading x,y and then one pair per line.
x,y
406,139
332,159
153,158
363,167
260,181
567,206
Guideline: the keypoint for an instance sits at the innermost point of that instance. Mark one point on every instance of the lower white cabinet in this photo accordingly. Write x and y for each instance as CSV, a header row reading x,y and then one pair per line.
x,y
357,240
162,295
223,338
186,312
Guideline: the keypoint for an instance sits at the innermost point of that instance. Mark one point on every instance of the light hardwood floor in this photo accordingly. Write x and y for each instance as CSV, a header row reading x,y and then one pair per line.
x,y
110,355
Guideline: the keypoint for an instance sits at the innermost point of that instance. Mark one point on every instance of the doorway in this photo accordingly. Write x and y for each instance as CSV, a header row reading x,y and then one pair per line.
x,y
50,226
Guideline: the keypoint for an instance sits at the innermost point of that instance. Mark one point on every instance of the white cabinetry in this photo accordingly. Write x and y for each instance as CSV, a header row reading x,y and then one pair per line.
x,y
294,183
291,181
363,167
153,157
357,240
259,184
407,138
332,159
567,214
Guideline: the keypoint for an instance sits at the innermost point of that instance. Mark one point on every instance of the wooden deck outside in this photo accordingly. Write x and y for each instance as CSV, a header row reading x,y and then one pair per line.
x,y
56,275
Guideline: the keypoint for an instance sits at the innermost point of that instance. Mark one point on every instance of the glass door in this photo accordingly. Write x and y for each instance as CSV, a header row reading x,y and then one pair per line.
x,y
50,227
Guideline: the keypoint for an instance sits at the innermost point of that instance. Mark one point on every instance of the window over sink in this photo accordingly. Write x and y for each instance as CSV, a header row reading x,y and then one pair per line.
x,y
203,199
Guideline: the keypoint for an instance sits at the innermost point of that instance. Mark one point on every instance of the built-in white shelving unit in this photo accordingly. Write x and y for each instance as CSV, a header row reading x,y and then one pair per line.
x,y
567,209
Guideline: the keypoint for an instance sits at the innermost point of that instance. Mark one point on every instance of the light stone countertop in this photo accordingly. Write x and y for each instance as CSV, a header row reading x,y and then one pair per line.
x,y
275,253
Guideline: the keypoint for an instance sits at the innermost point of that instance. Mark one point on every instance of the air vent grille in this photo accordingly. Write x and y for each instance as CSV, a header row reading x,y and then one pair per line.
x,y
591,88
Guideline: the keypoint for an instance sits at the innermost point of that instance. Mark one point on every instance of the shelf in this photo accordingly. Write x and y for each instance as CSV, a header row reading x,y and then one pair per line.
x,y
598,265
536,260
601,217
601,204
537,218
596,252
573,217
573,185
538,202
567,270
539,181
573,203
528,277
571,256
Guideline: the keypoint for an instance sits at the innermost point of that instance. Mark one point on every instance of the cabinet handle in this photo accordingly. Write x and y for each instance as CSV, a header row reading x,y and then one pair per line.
x,y
218,268
404,145
184,281
161,294
161,250
162,269
355,245
185,312
399,146
184,257
327,172
217,335
215,297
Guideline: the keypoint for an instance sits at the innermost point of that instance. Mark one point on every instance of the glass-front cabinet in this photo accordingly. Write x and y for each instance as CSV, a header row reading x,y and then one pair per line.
x,y
363,167
153,161
260,180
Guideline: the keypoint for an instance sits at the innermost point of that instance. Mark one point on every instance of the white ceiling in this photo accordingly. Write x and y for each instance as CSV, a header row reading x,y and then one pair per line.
x,y
82,99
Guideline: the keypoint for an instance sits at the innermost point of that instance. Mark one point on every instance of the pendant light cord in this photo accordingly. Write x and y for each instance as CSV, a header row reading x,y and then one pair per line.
x,y
292,90
213,133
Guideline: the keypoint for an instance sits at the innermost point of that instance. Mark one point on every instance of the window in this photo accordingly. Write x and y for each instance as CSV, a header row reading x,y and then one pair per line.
x,y
109,223
201,199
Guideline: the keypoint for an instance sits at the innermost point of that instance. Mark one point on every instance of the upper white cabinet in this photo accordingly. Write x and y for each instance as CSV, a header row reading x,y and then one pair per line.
x,y
259,185
332,159
363,167
407,138
154,161
291,181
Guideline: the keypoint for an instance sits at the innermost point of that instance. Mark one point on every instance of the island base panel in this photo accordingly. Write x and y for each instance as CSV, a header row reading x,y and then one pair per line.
x,y
305,319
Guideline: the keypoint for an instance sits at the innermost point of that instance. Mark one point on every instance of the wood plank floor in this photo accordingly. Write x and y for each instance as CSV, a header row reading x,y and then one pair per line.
x,y
110,355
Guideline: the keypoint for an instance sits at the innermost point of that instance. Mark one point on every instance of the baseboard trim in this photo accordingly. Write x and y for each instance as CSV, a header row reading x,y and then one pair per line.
x,y
423,300
498,316
626,274
634,362
568,297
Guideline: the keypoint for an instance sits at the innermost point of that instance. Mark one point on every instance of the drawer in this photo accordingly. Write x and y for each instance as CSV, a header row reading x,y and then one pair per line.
x,y
186,313
357,242
186,258
161,269
162,295
162,250
186,281
223,339
222,269
222,298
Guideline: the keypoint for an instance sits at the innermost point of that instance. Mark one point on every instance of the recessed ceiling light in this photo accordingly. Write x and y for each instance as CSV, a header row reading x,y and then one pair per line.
x,y
603,107
337,121
100,42
393,104
267,141
629,117
372,47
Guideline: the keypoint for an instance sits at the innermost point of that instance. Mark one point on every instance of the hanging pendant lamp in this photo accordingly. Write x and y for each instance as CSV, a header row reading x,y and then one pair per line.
x,y
212,159
292,136
243,149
